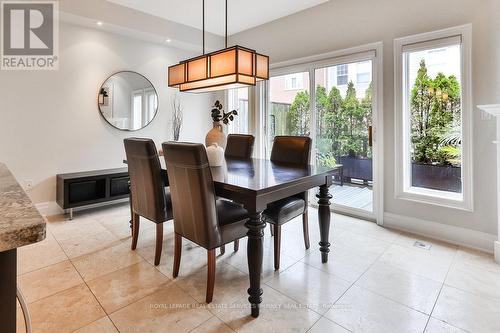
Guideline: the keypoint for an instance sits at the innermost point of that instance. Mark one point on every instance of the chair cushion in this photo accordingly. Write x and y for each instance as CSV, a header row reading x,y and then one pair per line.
x,y
284,210
232,218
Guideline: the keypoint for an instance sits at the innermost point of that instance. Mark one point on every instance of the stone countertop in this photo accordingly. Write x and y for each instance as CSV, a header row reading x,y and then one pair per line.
x,y
20,222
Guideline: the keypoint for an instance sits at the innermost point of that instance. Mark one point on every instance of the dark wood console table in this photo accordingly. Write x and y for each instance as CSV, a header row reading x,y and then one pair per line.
x,y
92,187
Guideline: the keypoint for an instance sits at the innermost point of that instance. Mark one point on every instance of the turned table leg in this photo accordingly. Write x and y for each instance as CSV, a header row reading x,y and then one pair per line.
x,y
255,235
324,221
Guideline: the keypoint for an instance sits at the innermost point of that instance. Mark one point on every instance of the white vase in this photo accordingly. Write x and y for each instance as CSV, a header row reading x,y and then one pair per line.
x,y
215,155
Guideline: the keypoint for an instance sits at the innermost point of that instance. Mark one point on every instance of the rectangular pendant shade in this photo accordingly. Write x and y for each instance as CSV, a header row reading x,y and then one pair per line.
x,y
225,69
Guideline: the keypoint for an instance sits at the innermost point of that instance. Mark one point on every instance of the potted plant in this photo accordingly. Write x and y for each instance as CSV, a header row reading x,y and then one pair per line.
x,y
216,134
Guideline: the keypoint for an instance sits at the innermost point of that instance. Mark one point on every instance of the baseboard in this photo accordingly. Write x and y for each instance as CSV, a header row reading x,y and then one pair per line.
x,y
49,208
456,235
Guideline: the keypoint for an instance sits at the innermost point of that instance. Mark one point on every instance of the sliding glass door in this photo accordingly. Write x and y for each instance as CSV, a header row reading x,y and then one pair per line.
x,y
334,102
343,130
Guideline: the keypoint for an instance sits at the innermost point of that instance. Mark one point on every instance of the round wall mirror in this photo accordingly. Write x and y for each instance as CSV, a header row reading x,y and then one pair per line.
x,y
128,101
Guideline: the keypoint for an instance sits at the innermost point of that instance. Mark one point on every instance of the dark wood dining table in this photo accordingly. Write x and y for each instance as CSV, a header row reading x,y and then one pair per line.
x,y
255,183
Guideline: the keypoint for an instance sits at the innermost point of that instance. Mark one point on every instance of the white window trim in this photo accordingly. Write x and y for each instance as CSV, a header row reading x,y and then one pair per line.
x,y
426,196
253,115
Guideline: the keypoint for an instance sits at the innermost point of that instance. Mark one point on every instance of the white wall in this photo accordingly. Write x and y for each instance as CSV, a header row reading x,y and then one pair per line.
x,y
340,24
49,120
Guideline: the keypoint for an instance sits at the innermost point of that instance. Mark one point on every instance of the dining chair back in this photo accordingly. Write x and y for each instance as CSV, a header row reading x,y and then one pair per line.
x,y
292,150
193,194
145,178
198,215
239,146
149,196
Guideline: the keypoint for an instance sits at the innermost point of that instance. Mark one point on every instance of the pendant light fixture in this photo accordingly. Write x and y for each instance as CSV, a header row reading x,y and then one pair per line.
x,y
231,67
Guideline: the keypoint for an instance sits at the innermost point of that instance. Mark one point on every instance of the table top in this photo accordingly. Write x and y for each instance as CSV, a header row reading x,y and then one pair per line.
x,y
20,222
263,175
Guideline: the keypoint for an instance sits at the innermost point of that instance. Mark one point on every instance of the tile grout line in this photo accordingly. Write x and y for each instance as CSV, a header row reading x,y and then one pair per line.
x,y
89,289
350,287
201,323
322,315
440,290
297,301
310,328
376,260
126,239
95,297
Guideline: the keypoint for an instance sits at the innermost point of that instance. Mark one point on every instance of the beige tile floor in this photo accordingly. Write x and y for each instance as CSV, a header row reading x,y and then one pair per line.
x,y
85,278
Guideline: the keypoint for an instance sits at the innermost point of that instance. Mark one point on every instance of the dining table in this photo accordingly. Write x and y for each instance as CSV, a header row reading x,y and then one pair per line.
x,y
255,183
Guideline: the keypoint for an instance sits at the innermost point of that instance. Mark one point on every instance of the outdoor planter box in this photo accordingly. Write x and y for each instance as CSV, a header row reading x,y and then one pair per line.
x,y
437,177
357,168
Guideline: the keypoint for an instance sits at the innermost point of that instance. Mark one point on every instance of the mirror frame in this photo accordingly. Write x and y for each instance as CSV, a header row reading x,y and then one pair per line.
x,y
125,129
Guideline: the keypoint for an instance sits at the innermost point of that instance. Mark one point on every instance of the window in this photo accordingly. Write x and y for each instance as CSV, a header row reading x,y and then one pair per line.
x,y
342,75
364,72
137,110
237,99
433,141
151,104
294,82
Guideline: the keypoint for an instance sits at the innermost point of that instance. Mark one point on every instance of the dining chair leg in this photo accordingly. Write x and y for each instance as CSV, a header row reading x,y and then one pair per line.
x,y
159,243
236,245
277,246
271,227
135,230
305,226
210,275
223,249
177,254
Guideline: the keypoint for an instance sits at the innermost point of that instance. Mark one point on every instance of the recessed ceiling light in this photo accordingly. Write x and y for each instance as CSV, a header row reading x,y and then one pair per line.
x,y
168,40
99,23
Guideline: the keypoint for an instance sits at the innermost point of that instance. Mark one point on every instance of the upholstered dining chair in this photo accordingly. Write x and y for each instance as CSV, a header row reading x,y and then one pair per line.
x,y
198,215
291,150
150,199
238,146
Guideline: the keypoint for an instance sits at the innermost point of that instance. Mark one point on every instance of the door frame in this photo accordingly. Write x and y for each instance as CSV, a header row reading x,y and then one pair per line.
x,y
373,52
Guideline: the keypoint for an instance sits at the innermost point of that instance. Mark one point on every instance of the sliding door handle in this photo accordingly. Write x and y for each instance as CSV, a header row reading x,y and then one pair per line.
x,y
370,136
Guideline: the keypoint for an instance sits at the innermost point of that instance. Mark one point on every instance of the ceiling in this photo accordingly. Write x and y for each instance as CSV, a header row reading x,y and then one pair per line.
x,y
243,14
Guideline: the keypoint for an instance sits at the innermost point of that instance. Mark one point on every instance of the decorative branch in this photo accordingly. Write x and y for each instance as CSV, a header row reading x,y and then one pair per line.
x,y
177,117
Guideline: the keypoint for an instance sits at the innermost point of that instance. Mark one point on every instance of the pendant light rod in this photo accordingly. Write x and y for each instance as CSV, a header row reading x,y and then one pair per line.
x,y
229,68
203,15
226,24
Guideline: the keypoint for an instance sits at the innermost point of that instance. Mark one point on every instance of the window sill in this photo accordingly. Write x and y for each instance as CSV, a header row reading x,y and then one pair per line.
x,y
436,198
